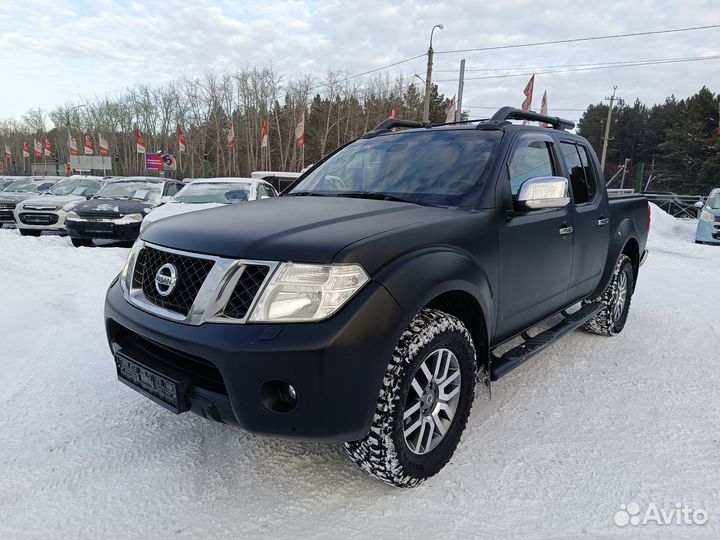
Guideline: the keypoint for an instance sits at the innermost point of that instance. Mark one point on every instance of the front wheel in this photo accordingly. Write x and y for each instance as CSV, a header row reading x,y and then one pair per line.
x,y
616,301
424,402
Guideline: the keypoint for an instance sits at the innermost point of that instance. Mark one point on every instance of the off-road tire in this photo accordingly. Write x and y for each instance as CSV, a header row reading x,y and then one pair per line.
x,y
603,323
29,232
81,242
384,452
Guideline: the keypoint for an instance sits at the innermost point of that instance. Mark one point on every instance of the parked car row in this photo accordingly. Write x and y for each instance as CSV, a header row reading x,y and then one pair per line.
x,y
708,229
87,208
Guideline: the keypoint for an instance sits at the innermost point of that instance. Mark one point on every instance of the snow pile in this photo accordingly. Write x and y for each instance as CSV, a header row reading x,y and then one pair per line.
x,y
669,228
590,424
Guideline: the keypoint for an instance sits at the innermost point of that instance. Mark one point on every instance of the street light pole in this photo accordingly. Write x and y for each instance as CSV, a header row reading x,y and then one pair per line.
x,y
428,78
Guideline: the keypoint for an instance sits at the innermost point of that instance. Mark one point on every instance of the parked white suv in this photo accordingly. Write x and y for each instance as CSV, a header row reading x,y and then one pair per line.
x,y
207,193
47,212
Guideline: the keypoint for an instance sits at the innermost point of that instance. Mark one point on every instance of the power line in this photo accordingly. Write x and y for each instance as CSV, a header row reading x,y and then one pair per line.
x,y
496,108
576,40
370,71
687,58
678,61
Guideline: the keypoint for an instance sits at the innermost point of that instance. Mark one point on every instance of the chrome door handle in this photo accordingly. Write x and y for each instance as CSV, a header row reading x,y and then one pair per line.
x,y
566,230
603,221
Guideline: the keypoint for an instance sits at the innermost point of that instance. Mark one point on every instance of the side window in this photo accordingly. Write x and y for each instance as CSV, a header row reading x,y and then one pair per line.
x,y
583,188
171,189
589,172
530,161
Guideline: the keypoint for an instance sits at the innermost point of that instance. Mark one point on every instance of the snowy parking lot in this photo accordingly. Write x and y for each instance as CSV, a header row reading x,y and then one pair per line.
x,y
589,425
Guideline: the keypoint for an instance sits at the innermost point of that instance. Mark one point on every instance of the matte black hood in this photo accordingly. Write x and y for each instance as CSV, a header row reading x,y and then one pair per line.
x,y
306,229
110,208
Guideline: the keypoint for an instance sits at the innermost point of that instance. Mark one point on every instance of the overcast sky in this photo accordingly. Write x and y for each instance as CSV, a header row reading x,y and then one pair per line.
x,y
53,52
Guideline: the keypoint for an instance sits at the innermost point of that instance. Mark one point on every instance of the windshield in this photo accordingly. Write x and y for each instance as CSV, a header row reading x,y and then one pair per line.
x,y
134,189
713,202
442,167
30,185
213,192
81,187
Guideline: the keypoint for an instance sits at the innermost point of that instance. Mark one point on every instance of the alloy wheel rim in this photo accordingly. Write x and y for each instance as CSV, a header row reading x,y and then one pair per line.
x,y
432,401
621,296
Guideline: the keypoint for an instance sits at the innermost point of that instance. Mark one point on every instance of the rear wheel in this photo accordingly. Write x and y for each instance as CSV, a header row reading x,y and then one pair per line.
x,y
424,402
616,301
81,242
29,232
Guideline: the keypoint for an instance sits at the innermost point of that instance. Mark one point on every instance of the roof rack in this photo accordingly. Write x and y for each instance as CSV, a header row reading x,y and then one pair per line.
x,y
511,113
391,123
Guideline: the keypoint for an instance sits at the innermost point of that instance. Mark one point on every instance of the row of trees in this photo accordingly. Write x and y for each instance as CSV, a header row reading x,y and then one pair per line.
x,y
336,109
678,141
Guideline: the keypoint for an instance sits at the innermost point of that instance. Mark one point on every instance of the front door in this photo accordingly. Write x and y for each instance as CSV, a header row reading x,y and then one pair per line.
x,y
536,247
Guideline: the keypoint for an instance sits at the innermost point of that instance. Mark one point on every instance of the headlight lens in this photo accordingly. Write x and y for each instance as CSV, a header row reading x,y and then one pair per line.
x,y
130,218
72,215
69,206
707,216
126,274
307,292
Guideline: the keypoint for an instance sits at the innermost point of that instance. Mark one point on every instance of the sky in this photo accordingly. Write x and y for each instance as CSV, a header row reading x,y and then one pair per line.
x,y
55,52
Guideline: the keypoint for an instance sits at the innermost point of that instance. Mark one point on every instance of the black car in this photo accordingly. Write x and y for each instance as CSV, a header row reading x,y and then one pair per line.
x,y
362,305
116,211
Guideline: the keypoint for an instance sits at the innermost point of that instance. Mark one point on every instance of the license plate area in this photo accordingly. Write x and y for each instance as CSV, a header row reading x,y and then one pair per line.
x,y
99,227
162,385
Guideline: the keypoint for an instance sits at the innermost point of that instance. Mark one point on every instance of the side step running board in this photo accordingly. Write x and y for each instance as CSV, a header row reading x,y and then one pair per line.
x,y
504,364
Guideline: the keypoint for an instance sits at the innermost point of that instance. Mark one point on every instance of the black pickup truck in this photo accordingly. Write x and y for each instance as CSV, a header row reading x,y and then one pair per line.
x,y
363,304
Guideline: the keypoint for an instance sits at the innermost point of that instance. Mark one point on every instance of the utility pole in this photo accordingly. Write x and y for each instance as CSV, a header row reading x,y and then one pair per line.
x,y
428,77
624,170
607,130
461,85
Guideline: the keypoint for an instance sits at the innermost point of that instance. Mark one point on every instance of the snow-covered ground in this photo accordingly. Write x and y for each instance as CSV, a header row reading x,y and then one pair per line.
x,y
589,425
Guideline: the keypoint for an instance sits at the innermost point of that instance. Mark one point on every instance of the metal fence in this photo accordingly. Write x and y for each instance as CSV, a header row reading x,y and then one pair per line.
x,y
679,206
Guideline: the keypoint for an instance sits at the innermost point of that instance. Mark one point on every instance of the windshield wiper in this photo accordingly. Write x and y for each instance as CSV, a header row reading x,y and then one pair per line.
x,y
307,194
378,196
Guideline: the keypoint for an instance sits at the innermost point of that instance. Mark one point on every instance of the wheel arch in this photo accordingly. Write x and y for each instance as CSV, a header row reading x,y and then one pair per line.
x,y
624,241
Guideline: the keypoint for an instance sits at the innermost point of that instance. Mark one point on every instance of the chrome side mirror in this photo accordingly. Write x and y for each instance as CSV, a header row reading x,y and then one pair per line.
x,y
699,205
544,192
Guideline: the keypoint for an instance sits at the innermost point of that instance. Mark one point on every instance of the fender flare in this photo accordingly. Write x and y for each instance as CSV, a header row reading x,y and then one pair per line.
x,y
416,278
625,232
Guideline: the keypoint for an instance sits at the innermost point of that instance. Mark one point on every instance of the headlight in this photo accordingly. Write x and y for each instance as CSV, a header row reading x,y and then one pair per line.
x,y
126,274
129,218
69,206
307,292
72,215
707,216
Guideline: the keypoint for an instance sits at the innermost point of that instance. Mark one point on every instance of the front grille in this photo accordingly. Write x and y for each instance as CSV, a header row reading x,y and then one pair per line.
x,y
191,273
7,206
38,219
244,293
99,215
202,373
6,215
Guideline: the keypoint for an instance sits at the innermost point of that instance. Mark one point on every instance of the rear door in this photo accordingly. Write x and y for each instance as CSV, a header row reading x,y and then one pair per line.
x,y
592,219
536,247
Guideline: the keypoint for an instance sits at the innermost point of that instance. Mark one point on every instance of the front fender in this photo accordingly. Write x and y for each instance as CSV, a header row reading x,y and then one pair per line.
x,y
418,277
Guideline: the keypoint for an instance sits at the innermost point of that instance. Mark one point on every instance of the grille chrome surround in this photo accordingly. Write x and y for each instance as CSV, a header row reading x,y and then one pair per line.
x,y
212,296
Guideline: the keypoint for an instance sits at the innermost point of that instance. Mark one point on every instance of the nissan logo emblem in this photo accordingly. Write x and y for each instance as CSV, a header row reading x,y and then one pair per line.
x,y
166,279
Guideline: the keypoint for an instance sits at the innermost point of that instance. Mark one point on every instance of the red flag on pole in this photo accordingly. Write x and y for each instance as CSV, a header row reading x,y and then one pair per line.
x,y
48,147
231,136
26,149
543,108
38,148
140,145
72,143
300,132
394,112
527,104
89,146
181,139
265,135
450,111
103,146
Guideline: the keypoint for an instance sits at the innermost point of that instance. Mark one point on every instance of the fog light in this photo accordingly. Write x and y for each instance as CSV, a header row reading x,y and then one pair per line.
x,y
278,396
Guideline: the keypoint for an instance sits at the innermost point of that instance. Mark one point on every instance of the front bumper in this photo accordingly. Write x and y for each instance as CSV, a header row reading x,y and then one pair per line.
x,y
42,220
102,229
336,366
707,232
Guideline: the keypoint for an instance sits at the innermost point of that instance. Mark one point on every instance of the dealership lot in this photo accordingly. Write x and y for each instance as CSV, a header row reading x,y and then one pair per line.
x,y
589,425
